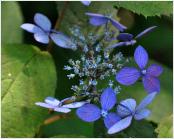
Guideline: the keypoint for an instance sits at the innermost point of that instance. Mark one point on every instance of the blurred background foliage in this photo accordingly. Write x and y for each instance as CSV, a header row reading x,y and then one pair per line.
x,y
159,45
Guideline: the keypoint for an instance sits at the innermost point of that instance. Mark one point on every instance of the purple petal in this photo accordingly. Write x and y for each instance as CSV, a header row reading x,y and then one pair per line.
x,y
75,104
45,105
116,45
86,2
126,107
61,109
127,76
41,37
89,113
42,21
62,40
118,25
97,19
30,28
111,119
120,125
146,101
144,113
151,84
150,29
141,57
125,37
52,101
108,99
154,70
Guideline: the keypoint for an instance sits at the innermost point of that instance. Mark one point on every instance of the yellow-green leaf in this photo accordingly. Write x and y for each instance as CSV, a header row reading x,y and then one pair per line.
x,y
165,127
11,20
28,76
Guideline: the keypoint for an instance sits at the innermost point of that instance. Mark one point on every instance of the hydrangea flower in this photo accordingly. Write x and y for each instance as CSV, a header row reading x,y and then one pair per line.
x,y
129,75
99,19
128,39
86,2
56,105
91,113
42,32
128,110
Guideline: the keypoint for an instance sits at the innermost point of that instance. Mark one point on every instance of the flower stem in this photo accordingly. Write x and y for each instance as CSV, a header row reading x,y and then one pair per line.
x,y
58,23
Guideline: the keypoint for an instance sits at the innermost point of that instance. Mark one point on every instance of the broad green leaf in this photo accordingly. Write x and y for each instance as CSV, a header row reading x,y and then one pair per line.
x,y
28,76
164,99
137,129
165,127
11,18
147,8
70,126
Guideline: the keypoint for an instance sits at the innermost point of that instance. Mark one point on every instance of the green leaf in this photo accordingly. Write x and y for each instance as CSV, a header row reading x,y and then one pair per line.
x,y
164,99
28,76
147,8
11,21
70,126
165,127
137,129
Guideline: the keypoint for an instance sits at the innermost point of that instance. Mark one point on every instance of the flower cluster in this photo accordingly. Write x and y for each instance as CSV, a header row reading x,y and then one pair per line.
x,y
97,64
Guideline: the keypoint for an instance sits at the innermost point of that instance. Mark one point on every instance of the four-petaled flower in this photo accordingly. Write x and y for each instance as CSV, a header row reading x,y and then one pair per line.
x,y
127,109
91,113
99,19
56,105
129,75
128,39
42,31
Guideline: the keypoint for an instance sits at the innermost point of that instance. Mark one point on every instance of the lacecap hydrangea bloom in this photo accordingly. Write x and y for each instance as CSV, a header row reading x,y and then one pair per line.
x,y
96,65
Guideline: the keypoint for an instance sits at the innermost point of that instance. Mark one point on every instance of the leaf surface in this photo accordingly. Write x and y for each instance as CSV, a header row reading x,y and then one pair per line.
x,y
28,76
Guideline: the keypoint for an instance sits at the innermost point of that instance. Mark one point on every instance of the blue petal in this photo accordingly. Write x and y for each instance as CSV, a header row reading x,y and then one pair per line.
x,y
141,114
62,40
75,104
89,113
42,21
150,29
41,37
116,45
154,70
127,76
146,101
31,28
52,101
97,19
125,37
118,25
126,107
45,105
120,125
61,109
151,84
86,2
111,119
141,57
108,99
